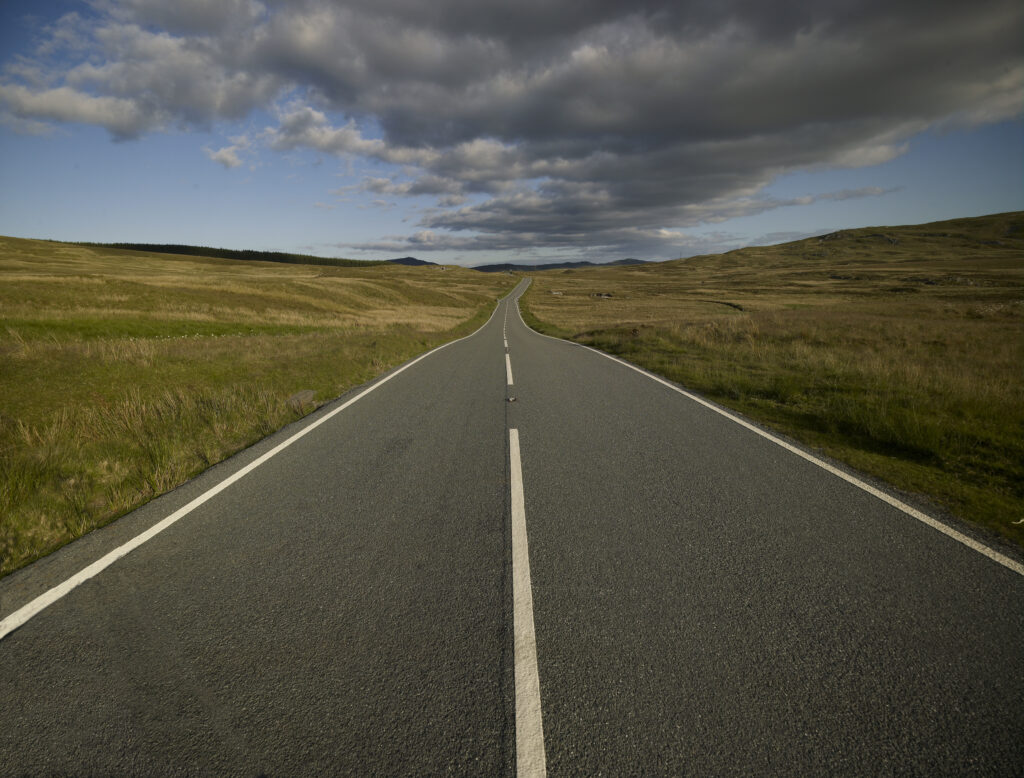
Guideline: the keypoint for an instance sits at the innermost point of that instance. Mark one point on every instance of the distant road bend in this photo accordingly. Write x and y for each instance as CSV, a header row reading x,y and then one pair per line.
x,y
516,556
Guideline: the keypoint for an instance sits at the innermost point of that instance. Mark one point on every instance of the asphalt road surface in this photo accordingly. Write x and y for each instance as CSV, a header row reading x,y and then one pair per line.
x,y
599,577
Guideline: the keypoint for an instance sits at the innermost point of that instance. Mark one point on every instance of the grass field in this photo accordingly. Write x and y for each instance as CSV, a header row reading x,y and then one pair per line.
x,y
898,350
123,374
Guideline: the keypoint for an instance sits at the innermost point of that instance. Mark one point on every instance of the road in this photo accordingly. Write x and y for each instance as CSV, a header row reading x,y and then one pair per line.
x,y
517,559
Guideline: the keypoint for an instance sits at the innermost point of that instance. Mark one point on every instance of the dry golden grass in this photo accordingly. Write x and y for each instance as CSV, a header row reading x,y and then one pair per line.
x,y
123,374
898,350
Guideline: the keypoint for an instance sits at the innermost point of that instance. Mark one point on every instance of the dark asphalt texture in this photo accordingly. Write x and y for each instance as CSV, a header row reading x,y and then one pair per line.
x,y
705,602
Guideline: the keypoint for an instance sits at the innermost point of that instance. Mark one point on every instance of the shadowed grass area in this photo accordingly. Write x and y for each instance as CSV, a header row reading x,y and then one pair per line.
x,y
123,374
899,350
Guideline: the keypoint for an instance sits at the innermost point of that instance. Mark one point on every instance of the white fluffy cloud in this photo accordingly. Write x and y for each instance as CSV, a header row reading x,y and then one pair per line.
x,y
123,118
586,123
228,155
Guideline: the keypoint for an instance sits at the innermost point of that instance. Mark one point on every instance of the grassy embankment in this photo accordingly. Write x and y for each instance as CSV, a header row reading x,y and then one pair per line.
x,y
899,350
123,373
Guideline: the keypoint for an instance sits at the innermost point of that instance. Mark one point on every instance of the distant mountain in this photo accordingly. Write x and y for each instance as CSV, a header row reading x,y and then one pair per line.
x,y
509,266
411,261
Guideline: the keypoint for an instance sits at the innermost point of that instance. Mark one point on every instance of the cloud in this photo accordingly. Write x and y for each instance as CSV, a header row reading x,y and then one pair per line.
x,y
584,124
228,155
305,127
614,243
25,126
123,118
132,80
187,16
585,218
424,185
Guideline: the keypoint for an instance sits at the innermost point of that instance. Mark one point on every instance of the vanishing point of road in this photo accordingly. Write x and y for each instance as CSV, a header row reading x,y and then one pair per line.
x,y
516,556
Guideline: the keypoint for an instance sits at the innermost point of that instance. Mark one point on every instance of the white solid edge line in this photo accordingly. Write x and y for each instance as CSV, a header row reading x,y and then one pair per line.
x,y
47,598
530,761
945,529
508,369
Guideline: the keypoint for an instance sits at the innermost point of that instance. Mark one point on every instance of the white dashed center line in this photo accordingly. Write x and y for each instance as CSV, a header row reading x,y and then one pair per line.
x,y
530,759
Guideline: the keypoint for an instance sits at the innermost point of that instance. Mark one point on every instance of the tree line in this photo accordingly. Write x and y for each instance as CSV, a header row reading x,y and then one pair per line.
x,y
249,254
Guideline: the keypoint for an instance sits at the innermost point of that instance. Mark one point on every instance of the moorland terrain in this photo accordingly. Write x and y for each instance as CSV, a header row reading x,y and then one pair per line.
x,y
125,373
898,350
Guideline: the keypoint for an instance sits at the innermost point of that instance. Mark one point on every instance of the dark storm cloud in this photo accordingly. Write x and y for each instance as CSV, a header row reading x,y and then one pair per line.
x,y
586,123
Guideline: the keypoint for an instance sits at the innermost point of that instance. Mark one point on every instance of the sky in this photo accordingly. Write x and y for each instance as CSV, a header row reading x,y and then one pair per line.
x,y
478,131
